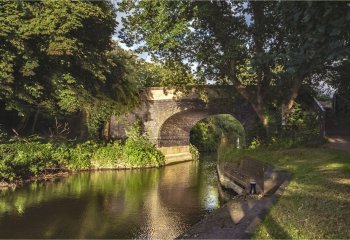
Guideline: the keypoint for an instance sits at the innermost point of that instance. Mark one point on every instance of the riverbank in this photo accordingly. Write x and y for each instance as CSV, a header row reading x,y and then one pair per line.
x,y
41,178
47,177
25,159
316,202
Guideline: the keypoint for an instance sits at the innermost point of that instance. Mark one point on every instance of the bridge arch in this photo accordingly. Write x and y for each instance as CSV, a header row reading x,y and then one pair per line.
x,y
175,131
168,115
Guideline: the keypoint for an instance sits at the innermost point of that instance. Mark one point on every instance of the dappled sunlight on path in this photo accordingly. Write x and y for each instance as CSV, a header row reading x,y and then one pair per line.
x,y
339,142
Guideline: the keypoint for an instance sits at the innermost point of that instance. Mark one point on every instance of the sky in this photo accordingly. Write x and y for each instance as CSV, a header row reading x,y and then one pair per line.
x,y
115,37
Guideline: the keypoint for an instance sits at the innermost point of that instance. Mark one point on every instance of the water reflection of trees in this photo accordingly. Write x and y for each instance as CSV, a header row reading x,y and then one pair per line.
x,y
115,196
151,203
109,183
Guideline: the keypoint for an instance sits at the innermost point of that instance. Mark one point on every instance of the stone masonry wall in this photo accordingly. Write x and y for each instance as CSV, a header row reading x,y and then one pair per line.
x,y
168,116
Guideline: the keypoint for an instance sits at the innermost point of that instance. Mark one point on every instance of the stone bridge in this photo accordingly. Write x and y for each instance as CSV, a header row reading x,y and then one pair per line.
x,y
168,116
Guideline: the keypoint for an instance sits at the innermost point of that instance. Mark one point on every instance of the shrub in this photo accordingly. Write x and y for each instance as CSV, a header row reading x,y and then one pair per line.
x,y
20,160
138,151
108,156
80,156
256,143
301,129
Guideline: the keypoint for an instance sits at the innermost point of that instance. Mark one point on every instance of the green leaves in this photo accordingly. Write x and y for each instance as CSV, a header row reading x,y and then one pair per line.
x,y
220,38
138,151
58,58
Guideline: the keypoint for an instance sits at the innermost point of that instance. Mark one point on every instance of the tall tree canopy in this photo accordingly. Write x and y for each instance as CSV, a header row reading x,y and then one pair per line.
x,y
267,50
57,57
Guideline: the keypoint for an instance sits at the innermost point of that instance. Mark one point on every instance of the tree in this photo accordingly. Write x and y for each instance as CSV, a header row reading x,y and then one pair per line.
x,y
267,50
58,58
338,76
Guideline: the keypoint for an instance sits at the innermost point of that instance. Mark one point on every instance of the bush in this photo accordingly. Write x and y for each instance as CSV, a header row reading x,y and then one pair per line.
x,y
74,157
80,156
109,156
138,151
301,128
20,160
23,159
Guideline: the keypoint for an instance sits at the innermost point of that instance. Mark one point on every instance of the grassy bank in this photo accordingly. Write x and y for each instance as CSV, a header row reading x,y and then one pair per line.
x,y
316,203
30,159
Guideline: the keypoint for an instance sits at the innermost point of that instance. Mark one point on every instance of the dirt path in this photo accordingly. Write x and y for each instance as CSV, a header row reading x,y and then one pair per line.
x,y
339,142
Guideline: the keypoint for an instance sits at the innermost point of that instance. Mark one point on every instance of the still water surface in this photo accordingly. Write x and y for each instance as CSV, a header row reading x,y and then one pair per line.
x,y
152,203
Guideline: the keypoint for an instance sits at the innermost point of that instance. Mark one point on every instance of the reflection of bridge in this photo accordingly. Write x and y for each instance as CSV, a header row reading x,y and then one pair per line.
x,y
169,115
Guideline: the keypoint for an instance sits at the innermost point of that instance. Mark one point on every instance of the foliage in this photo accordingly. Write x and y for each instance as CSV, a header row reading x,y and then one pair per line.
x,y
108,156
76,157
59,60
3,134
317,193
23,159
194,152
208,133
44,43
266,50
138,151
255,144
338,75
204,136
300,128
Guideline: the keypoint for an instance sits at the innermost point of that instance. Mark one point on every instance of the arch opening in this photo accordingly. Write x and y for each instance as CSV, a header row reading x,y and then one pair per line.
x,y
175,133
210,133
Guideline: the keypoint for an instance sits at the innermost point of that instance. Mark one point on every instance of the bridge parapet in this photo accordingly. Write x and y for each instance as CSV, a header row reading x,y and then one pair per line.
x,y
192,93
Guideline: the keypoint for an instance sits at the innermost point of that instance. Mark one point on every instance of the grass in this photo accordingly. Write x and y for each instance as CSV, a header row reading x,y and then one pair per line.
x,y
316,203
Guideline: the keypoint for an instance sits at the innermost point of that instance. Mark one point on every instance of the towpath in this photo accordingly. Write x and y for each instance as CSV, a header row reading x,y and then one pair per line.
x,y
339,142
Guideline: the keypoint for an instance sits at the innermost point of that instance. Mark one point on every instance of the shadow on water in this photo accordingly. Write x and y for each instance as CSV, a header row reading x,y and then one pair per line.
x,y
151,203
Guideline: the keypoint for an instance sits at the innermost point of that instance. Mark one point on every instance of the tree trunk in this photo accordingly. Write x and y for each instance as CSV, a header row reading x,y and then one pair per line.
x,y
23,123
258,108
83,131
106,130
294,94
35,121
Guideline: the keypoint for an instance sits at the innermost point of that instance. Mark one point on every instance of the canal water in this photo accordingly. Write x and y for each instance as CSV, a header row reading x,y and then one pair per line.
x,y
151,203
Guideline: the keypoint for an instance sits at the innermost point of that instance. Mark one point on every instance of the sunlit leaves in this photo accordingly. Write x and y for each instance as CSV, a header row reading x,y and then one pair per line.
x,y
246,75
58,59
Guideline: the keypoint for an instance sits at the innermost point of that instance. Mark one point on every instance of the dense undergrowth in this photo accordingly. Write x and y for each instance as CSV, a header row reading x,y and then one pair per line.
x,y
26,158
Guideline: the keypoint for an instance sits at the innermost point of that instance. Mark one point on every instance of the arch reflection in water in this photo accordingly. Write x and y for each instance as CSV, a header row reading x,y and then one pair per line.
x,y
151,203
